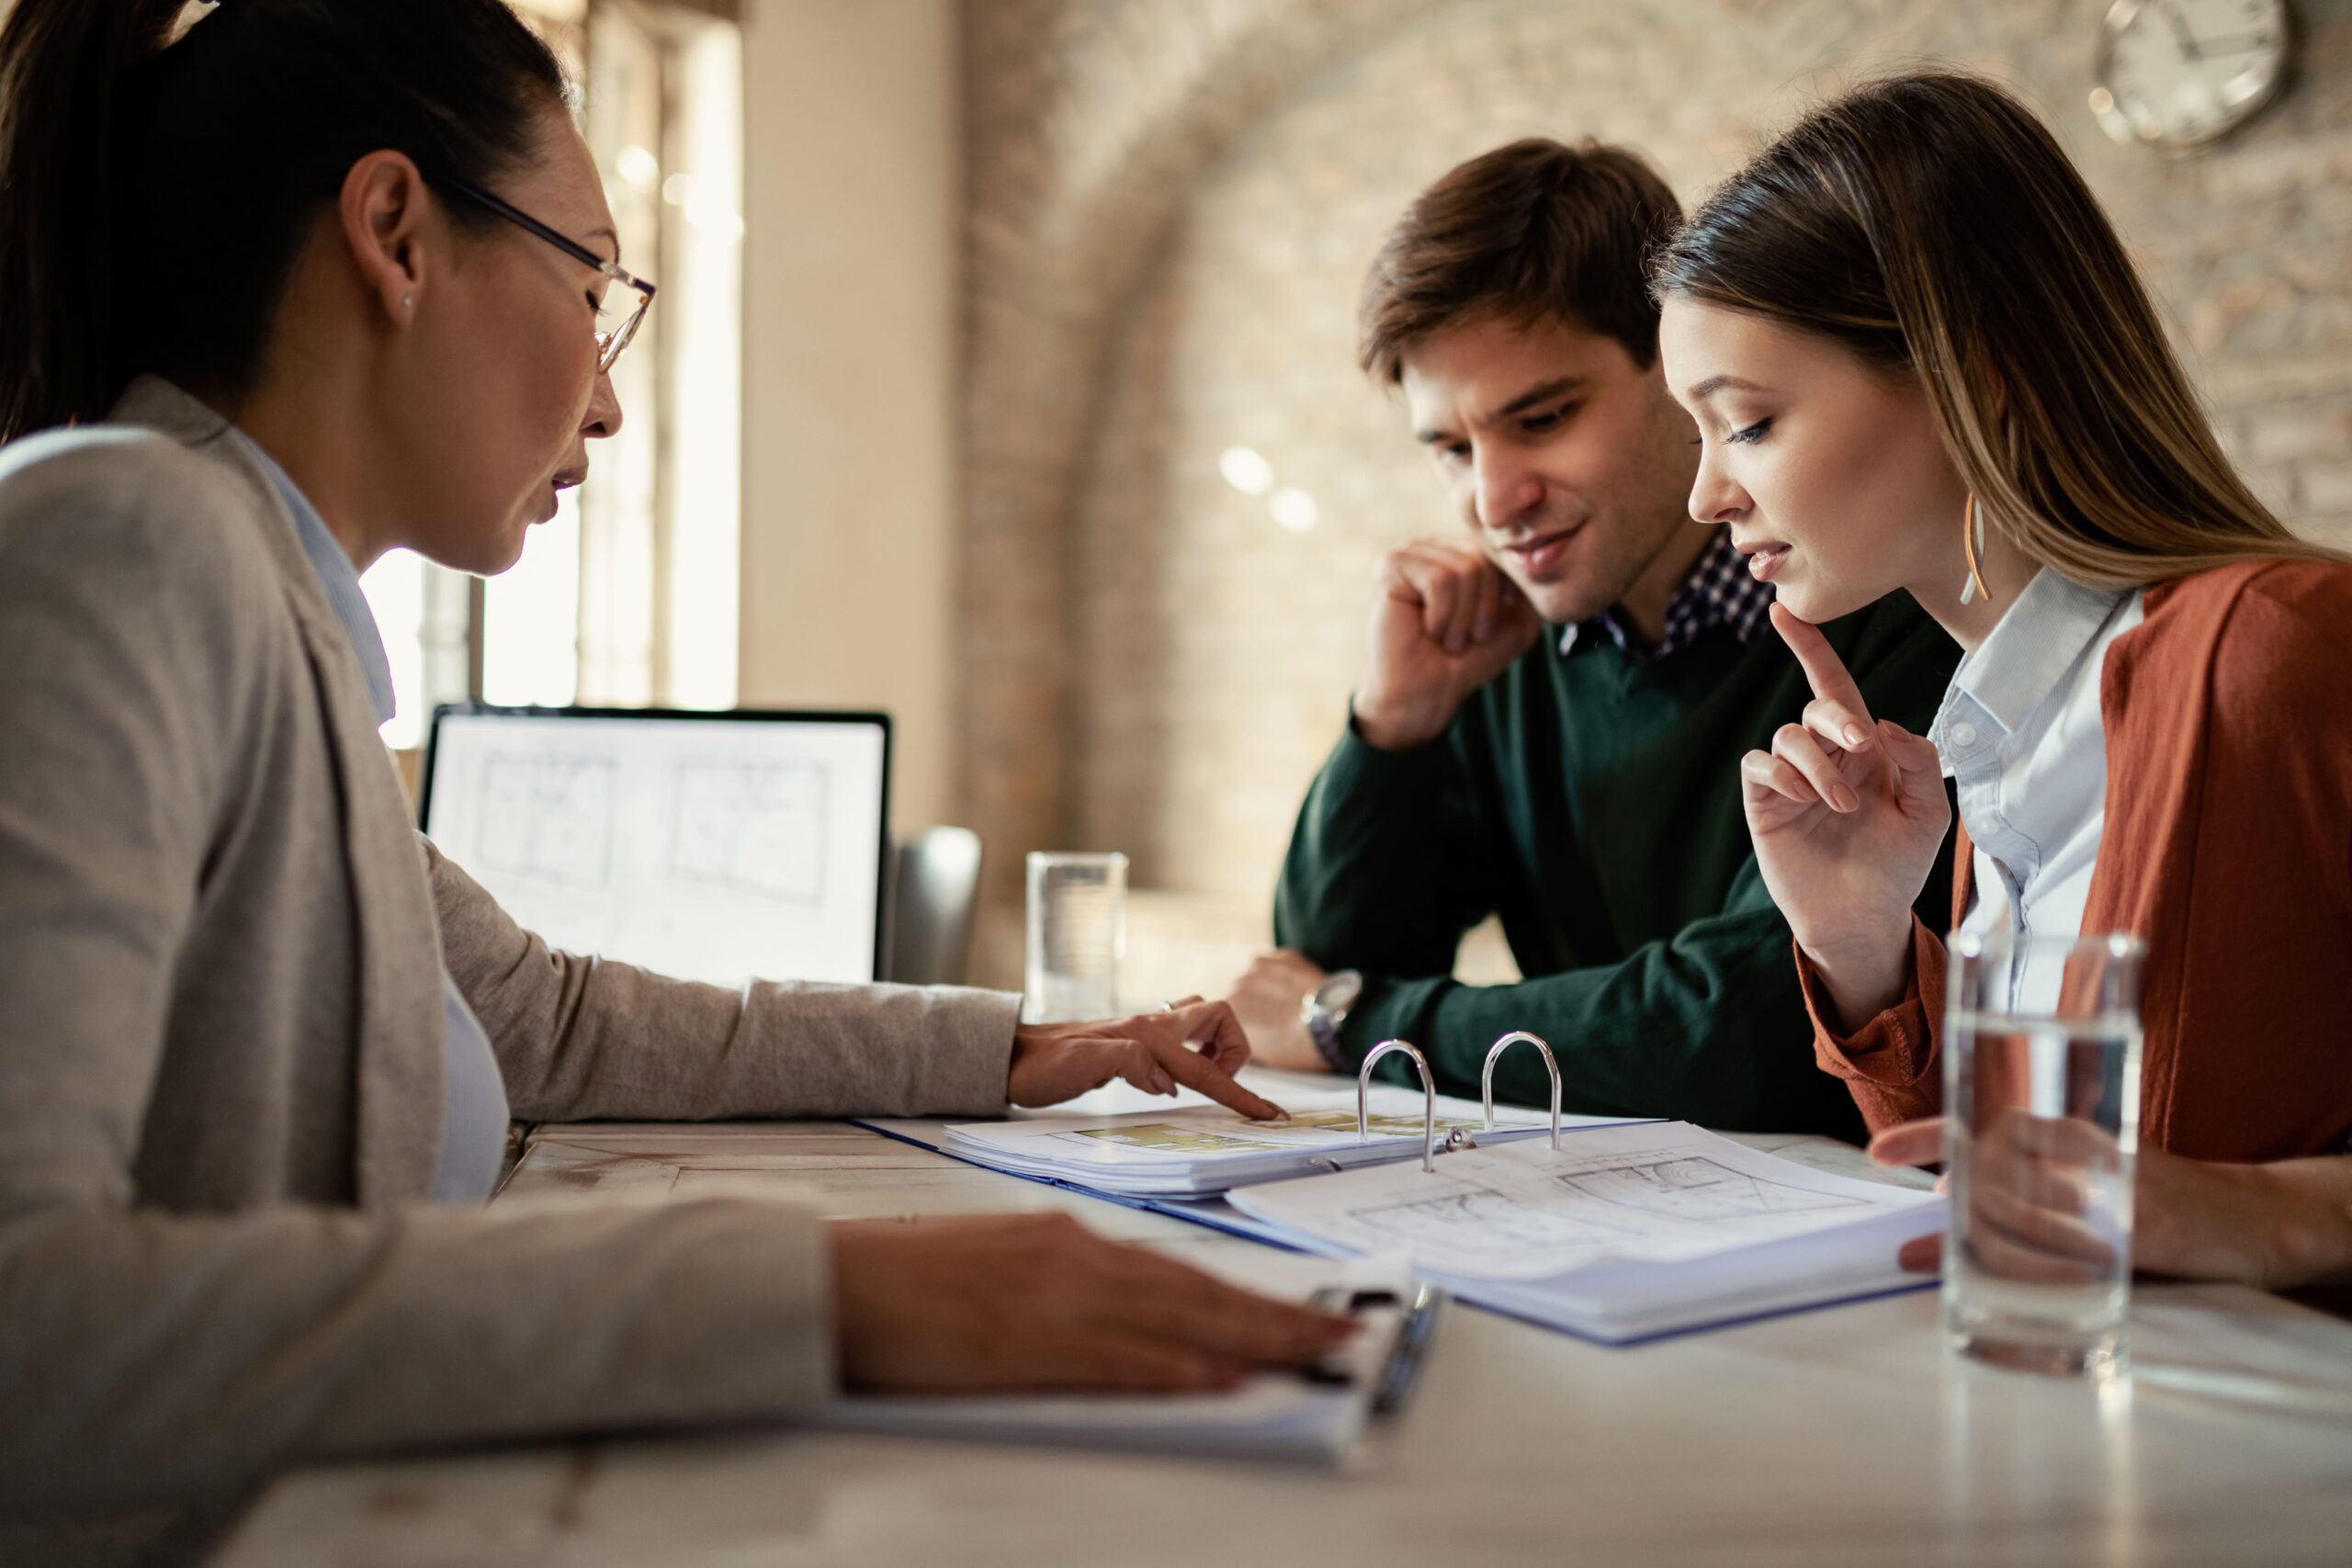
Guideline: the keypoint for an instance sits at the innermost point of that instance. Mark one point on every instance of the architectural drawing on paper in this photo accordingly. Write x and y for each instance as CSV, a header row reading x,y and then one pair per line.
x,y
551,819
1623,1201
1167,1135
756,827
1480,1222
1378,1126
1698,1188
1308,1129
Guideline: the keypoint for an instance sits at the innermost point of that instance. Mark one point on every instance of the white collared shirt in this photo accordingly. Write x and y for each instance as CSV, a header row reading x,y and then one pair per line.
x,y
2021,735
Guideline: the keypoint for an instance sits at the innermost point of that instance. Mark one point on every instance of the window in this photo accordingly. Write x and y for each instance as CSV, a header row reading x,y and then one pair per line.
x,y
629,595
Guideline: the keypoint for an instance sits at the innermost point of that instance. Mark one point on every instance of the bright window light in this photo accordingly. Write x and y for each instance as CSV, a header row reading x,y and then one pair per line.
x,y
637,166
530,648
395,589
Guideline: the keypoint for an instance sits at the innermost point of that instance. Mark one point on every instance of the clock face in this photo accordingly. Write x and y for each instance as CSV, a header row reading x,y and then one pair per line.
x,y
2178,72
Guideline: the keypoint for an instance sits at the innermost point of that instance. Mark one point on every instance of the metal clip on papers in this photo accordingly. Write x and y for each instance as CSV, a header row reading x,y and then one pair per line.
x,y
1429,1098
1551,1065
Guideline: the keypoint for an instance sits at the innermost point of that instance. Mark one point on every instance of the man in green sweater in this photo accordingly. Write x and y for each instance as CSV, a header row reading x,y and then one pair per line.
x,y
1551,721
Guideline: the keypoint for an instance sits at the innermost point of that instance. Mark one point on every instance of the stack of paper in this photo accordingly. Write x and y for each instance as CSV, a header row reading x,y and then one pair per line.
x,y
1207,1149
1273,1416
1625,1233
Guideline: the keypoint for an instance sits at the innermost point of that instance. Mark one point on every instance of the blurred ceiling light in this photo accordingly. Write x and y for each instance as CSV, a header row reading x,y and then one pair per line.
x,y
678,190
1294,509
1246,470
637,166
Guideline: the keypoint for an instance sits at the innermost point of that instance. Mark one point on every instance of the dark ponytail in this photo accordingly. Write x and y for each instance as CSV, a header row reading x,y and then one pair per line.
x,y
154,194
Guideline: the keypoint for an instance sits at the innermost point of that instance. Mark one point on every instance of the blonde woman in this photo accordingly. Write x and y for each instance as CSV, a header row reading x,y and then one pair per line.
x,y
1921,362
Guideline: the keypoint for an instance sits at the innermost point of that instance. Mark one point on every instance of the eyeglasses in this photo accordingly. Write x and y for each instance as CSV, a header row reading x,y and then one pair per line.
x,y
615,324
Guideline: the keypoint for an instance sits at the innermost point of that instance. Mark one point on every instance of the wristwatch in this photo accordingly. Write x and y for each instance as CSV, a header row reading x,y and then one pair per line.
x,y
1325,1009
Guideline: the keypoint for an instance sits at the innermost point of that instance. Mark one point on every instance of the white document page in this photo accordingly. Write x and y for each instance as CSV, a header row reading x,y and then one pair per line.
x,y
1654,1192
1155,1138
1180,1154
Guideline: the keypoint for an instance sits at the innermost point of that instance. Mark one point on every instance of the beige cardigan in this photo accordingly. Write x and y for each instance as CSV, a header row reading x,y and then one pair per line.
x,y
220,1049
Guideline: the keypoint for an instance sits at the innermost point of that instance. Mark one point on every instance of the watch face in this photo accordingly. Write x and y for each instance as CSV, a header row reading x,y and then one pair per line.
x,y
2178,72
1339,992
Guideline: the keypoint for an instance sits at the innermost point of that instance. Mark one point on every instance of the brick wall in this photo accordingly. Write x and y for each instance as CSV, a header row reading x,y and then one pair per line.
x,y
1171,204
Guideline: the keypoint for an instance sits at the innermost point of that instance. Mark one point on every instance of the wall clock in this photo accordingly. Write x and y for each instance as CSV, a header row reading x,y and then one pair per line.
x,y
2179,74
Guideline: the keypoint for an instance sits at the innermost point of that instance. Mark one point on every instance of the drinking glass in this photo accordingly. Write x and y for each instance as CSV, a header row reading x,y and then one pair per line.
x,y
1078,933
2041,1095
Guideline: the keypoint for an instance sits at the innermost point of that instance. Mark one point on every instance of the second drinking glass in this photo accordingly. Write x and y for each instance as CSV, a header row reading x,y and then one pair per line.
x,y
2041,1095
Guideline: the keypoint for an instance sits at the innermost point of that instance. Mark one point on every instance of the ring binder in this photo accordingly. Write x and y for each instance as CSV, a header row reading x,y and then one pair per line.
x,y
1550,1064
1429,1098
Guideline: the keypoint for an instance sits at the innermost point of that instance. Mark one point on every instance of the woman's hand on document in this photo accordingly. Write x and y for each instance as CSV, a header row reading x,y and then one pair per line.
x,y
1003,1304
1195,1043
1847,814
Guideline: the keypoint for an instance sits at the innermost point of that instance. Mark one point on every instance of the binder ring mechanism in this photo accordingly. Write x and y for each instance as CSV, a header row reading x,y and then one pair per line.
x,y
1429,1091
1551,1065
1428,1097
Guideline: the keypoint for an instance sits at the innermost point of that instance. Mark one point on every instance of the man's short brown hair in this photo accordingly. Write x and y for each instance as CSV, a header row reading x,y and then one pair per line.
x,y
1533,231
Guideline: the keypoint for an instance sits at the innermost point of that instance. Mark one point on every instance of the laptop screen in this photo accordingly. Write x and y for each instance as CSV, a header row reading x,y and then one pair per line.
x,y
712,846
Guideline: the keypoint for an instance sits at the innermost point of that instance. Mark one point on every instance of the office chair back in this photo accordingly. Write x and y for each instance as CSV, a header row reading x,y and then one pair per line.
x,y
934,891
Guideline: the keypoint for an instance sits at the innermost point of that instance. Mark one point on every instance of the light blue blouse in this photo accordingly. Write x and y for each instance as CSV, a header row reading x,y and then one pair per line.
x,y
474,1114
2022,738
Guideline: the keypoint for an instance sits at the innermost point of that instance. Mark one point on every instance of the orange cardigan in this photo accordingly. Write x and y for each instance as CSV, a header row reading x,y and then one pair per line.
x,y
2227,848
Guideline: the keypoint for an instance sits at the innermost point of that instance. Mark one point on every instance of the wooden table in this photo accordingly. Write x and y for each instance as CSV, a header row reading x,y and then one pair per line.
x,y
1832,1437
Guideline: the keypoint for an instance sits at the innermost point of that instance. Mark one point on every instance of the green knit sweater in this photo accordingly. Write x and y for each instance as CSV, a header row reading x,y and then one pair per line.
x,y
1592,801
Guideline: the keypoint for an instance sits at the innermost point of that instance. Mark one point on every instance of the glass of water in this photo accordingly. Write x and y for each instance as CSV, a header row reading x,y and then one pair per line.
x,y
2042,1096
1078,933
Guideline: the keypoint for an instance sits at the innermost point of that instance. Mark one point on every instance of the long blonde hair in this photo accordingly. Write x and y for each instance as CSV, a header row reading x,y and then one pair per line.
x,y
1931,224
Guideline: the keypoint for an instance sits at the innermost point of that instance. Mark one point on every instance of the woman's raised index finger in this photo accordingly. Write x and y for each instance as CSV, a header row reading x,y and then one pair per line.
x,y
1823,669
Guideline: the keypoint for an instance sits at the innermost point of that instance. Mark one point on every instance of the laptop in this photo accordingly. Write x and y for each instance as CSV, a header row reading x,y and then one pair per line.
x,y
720,846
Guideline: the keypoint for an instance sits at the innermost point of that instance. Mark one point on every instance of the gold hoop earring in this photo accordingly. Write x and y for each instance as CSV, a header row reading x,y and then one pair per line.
x,y
1972,541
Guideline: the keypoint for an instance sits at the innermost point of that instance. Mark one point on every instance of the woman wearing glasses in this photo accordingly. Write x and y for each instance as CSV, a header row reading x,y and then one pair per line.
x,y
309,281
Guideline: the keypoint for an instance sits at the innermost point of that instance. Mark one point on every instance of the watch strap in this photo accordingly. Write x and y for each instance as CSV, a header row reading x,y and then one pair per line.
x,y
1323,1028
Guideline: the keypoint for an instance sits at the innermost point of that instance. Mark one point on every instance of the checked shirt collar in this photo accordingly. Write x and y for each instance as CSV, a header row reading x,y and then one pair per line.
x,y
1718,592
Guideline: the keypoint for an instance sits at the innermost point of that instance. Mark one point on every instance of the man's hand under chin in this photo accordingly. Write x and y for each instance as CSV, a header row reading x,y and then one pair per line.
x,y
1267,999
